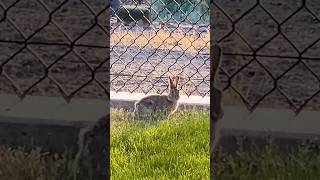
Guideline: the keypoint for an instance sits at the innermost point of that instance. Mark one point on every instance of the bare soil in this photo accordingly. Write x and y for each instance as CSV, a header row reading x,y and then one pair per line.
x,y
273,70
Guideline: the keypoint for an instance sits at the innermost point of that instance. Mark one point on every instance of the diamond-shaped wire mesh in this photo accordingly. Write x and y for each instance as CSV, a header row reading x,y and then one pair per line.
x,y
54,48
271,52
154,39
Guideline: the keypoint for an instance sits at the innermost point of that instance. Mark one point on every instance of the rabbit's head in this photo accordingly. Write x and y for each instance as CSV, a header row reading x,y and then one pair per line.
x,y
173,90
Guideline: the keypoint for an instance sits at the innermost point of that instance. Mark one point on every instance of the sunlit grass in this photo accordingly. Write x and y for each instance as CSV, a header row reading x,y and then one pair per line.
x,y
176,148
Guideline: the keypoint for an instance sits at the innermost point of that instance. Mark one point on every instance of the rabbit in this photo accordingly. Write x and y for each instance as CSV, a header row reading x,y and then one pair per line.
x,y
216,97
95,139
151,104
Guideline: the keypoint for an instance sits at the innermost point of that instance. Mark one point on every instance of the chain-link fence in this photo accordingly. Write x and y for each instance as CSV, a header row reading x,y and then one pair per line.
x,y
271,52
54,48
154,39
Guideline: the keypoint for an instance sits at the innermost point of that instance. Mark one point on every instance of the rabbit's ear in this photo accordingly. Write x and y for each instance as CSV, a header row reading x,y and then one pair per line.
x,y
176,80
216,53
173,82
171,85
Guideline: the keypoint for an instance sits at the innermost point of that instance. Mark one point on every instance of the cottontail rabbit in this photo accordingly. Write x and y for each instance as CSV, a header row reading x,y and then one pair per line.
x,y
216,97
93,144
152,104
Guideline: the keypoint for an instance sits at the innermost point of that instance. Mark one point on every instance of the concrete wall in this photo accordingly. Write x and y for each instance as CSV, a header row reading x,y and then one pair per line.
x,y
54,124
48,122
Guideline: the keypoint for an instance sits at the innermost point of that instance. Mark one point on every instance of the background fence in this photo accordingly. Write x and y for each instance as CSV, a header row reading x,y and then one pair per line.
x,y
174,40
271,52
54,48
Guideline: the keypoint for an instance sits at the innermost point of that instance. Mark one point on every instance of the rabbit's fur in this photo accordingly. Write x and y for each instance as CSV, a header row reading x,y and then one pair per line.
x,y
216,97
95,139
152,104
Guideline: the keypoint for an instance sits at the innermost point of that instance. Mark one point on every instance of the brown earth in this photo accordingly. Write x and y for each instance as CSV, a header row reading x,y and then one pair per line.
x,y
277,52
27,50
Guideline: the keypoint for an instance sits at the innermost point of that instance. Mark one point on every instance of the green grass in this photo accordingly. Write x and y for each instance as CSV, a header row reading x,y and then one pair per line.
x,y
175,148
270,163
178,148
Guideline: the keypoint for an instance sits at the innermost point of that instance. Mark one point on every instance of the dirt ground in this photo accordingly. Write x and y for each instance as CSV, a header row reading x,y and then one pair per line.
x,y
140,67
47,61
143,58
277,52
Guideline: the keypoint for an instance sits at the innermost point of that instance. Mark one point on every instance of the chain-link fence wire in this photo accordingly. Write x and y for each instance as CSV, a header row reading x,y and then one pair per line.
x,y
271,52
54,48
154,39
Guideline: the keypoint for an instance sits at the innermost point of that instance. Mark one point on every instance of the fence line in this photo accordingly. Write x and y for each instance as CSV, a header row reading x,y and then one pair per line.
x,y
271,52
147,48
53,48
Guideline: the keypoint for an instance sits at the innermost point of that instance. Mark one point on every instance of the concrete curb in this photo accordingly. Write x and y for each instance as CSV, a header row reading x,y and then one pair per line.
x,y
126,100
53,124
282,125
48,122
